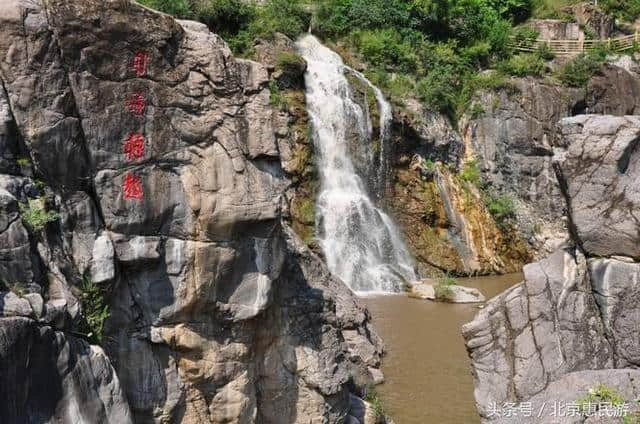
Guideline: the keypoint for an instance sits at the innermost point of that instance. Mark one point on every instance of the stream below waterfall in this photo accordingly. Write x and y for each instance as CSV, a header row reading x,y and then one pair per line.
x,y
427,370
426,367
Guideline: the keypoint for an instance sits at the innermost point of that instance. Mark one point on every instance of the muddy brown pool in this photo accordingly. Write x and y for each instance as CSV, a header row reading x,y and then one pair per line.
x,y
428,379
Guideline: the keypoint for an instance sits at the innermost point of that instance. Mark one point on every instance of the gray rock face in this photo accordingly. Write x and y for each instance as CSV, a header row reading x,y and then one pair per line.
x,y
217,312
577,310
613,91
419,131
616,285
48,376
566,394
536,332
599,172
513,146
513,143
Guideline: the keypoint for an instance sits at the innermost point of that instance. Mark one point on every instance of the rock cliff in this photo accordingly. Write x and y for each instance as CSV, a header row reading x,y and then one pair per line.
x,y
513,140
576,312
140,158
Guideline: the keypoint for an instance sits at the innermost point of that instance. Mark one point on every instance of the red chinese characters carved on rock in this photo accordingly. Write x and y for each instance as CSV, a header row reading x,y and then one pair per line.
x,y
134,146
140,63
136,104
132,187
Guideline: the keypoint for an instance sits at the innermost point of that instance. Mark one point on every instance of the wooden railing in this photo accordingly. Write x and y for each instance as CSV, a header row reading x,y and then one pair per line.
x,y
576,47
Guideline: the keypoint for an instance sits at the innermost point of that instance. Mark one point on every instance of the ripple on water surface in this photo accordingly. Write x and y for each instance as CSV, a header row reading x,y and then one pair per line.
x,y
427,371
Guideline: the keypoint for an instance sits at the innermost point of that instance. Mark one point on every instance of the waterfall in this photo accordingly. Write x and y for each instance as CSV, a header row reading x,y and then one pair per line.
x,y
361,243
386,117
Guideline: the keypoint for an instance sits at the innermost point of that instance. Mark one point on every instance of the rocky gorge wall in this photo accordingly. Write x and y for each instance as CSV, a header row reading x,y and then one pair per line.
x,y
513,139
163,168
576,313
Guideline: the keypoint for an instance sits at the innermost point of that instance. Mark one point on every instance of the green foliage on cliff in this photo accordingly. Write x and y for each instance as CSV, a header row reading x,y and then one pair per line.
x,y
23,162
35,216
500,206
602,394
523,65
471,173
290,62
552,9
94,310
276,98
179,8
376,403
625,10
579,70
240,22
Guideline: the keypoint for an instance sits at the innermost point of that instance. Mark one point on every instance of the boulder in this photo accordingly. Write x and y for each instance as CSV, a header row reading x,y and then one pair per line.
x,y
48,376
599,170
536,332
465,295
425,289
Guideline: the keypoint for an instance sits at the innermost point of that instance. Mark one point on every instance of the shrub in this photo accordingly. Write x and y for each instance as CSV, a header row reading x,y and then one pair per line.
x,y
545,52
430,165
276,98
374,399
94,310
23,162
307,209
525,36
472,20
471,173
225,17
240,22
477,111
523,65
339,17
285,16
501,207
399,87
602,394
493,80
178,8
438,90
387,47
443,288
578,71
516,10
35,216
552,9
477,55
625,10
290,62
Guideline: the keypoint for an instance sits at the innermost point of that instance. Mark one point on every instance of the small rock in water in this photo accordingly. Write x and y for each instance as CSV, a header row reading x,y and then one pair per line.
x,y
466,295
376,375
425,289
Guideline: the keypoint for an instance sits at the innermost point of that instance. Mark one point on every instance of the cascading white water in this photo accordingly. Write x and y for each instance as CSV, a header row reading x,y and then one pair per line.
x,y
386,116
360,242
